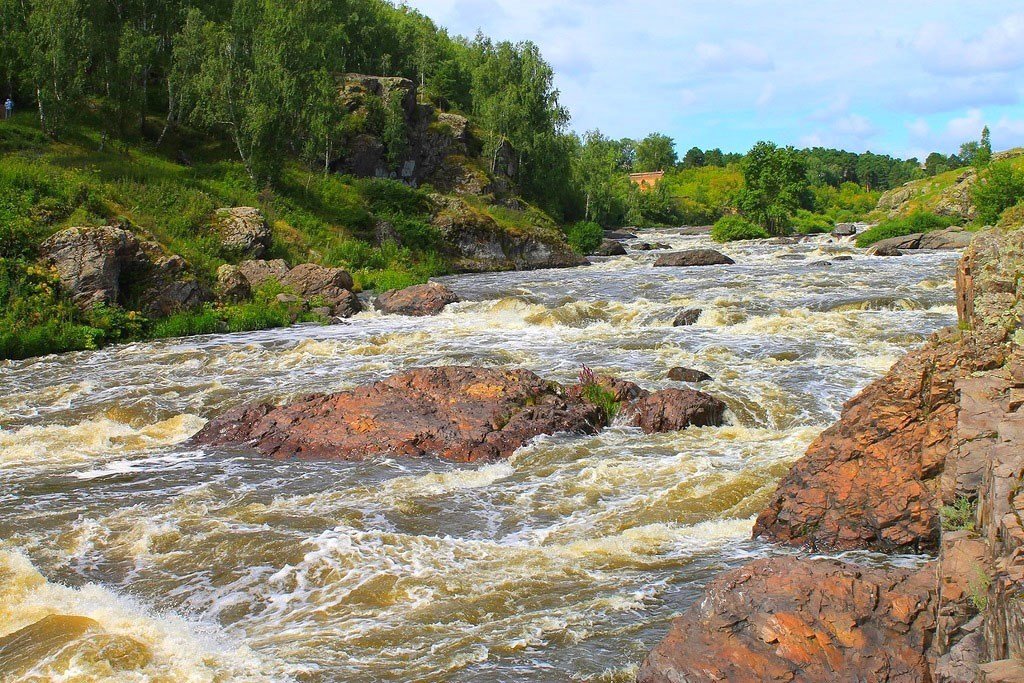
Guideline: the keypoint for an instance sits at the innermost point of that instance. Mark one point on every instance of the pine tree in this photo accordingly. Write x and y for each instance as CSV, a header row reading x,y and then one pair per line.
x,y
984,155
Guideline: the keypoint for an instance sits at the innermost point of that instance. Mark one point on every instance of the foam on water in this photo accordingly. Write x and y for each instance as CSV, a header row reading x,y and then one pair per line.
x,y
565,562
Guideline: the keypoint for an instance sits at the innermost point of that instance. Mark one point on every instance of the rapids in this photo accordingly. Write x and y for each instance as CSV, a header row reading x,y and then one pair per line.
x,y
167,563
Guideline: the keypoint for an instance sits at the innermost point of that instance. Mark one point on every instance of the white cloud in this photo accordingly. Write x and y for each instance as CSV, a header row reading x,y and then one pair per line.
x,y
732,56
999,48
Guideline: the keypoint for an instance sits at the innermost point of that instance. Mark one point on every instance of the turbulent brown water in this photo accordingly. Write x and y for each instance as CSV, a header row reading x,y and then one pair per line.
x,y
564,563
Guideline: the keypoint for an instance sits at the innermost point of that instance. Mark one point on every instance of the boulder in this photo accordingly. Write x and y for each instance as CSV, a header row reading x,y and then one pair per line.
x,y
457,413
420,300
894,246
688,317
331,287
674,409
258,272
90,262
842,257
693,257
845,230
688,375
109,265
162,284
802,621
232,285
610,248
652,246
243,231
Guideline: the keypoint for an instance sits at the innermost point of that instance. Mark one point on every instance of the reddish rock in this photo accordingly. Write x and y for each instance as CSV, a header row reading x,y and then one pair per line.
x,y
674,409
793,620
458,413
694,257
421,300
871,480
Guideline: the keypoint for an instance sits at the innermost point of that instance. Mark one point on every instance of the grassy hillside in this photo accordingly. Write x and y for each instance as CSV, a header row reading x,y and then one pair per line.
x,y
169,194
947,193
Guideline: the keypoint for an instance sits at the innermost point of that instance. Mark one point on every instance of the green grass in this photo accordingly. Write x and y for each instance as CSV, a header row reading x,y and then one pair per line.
x,y
603,399
169,195
920,221
734,228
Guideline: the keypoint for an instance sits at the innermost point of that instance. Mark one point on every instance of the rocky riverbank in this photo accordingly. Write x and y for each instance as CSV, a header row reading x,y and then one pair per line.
x,y
930,459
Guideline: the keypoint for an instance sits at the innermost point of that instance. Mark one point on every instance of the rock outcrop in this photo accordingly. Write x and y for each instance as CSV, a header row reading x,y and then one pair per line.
x,y
419,300
929,458
243,232
791,620
476,243
109,265
693,257
457,413
948,239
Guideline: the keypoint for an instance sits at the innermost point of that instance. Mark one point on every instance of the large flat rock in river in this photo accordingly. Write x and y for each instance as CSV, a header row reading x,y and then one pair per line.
x,y
458,413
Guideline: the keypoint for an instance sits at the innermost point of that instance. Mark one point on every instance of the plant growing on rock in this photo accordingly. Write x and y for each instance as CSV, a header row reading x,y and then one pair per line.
x,y
600,396
960,515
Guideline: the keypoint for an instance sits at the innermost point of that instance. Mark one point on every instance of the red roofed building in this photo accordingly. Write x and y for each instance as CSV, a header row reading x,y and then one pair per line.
x,y
647,181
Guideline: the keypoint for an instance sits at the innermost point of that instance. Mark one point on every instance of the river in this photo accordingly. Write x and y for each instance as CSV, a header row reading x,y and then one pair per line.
x,y
565,562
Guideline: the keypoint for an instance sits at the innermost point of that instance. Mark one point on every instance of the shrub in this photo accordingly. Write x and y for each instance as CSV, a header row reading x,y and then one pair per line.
x,y
733,228
585,237
959,516
919,221
807,223
997,190
187,324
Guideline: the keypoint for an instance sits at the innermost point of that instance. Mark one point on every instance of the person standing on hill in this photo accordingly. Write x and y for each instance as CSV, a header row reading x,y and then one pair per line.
x,y
8,108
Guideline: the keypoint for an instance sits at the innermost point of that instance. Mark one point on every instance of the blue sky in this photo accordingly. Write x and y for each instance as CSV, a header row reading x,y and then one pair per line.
x,y
903,77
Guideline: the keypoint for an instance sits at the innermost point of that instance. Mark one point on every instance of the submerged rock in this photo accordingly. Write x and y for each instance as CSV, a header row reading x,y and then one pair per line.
x,y
457,413
786,619
688,317
419,300
688,375
619,235
674,409
693,257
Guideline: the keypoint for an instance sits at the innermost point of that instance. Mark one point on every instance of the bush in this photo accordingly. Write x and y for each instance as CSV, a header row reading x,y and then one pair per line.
x,y
187,324
999,188
585,237
807,223
920,221
734,228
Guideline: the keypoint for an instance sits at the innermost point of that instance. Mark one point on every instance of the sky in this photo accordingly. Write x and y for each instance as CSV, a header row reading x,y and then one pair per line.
x,y
902,77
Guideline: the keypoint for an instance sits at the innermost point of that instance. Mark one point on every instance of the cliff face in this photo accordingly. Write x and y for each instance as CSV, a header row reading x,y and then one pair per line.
x,y
930,458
